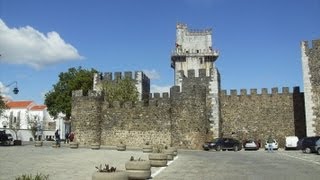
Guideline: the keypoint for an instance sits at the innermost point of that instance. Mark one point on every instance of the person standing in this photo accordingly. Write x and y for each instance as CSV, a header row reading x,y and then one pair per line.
x,y
57,136
71,136
270,142
66,138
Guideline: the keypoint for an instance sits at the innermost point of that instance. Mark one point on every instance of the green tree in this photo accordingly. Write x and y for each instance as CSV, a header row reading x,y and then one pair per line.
x,y
59,98
121,90
2,105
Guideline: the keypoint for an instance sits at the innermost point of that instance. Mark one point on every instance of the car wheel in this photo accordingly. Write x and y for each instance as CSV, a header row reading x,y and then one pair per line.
x,y
218,148
318,150
235,148
307,150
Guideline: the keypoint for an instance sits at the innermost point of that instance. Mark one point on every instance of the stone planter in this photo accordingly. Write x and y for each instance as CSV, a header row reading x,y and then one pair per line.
x,y
95,146
17,142
38,143
121,147
147,148
169,153
55,145
138,169
118,175
175,150
158,159
74,145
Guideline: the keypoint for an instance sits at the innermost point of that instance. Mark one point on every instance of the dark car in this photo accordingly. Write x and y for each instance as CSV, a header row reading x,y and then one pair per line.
x,y
308,144
223,144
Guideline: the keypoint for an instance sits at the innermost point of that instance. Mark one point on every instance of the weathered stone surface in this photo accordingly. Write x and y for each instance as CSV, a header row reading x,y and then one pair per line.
x,y
260,115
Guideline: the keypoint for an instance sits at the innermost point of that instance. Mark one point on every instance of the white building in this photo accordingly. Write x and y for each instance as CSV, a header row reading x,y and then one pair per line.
x,y
22,115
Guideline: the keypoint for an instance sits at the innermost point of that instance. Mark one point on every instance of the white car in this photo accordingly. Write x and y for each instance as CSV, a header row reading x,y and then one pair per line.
x,y
274,145
291,142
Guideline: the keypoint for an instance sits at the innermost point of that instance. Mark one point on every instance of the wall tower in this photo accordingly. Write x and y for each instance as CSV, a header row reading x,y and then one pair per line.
x,y
310,57
194,51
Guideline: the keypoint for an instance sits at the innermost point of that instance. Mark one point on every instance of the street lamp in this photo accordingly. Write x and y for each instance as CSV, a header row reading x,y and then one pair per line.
x,y
15,89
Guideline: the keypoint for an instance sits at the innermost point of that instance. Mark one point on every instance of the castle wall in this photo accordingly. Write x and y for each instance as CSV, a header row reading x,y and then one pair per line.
x,y
253,115
86,117
311,78
136,124
190,124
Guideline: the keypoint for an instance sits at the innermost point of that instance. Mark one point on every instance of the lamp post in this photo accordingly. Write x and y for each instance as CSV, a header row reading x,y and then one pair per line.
x,y
15,89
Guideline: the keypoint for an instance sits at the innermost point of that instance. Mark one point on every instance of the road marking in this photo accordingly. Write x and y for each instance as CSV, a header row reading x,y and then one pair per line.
x,y
162,168
315,162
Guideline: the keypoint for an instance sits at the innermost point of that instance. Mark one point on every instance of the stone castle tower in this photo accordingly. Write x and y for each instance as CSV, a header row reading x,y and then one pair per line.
x,y
194,50
311,78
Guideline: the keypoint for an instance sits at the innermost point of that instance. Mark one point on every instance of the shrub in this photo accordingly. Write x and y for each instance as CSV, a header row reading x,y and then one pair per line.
x,y
30,177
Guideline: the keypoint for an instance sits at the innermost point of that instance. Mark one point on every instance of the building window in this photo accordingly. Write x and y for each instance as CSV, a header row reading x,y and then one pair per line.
x,y
201,60
197,51
14,119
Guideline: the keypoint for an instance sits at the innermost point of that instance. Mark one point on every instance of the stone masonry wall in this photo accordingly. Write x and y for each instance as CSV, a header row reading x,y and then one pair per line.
x,y
136,124
313,56
86,117
257,116
190,124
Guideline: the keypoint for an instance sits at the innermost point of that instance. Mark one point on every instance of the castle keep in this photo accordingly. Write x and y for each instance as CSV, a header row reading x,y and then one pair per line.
x,y
196,109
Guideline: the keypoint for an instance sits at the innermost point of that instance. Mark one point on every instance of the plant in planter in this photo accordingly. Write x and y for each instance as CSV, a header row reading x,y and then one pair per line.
x,y
147,148
138,168
157,159
109,173
121,146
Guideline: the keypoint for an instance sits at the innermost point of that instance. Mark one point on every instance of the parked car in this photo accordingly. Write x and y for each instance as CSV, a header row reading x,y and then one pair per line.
x,y
308,144
317,148
274,145
291,142
251,145
223,144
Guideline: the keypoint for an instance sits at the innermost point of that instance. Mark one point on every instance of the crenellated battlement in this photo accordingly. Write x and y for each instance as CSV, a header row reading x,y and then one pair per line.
x,y
191,73
112,76
263,91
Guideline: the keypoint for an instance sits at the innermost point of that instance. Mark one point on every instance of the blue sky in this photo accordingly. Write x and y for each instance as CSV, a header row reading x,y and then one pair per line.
x,y
258,40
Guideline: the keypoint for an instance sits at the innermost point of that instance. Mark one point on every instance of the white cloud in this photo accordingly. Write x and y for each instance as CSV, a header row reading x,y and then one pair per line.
x,y
159,89
26,45
152,74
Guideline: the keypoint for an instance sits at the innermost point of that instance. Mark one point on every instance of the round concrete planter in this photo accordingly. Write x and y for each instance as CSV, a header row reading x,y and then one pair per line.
x,y
138,169
121,147
55,145
169,153
158,159
118,175
74,145
95,146
38,143
175,150
147,148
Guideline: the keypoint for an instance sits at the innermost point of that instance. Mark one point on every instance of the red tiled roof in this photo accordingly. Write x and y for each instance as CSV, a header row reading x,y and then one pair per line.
x,y
38,107
18,104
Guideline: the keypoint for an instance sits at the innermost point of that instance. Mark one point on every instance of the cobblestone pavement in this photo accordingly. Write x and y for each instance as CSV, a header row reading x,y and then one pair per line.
x,y
79,164
60,163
